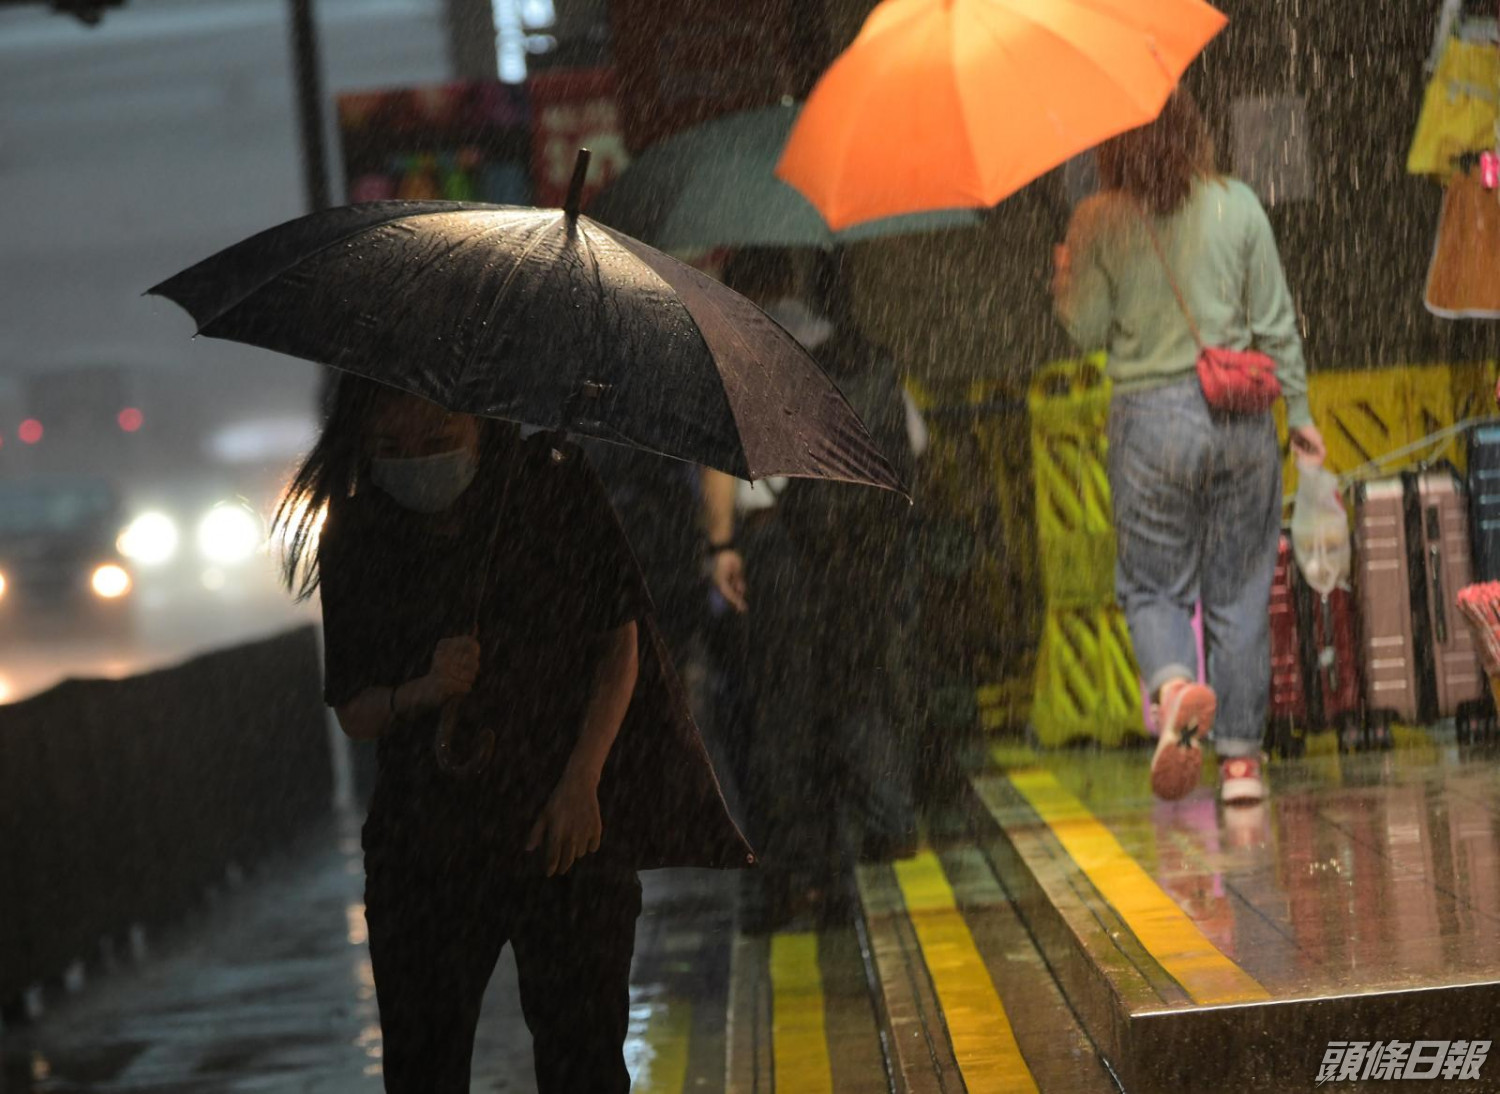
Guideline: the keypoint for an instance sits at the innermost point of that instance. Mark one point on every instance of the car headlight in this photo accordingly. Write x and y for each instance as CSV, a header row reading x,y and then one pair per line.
x,y
151,539
110,582
229,533
2,586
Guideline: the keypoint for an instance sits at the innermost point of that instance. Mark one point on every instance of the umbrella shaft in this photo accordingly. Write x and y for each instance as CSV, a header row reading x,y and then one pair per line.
x,y
486,558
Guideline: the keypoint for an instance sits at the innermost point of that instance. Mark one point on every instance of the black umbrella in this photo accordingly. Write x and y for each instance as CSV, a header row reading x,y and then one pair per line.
x,y
538,316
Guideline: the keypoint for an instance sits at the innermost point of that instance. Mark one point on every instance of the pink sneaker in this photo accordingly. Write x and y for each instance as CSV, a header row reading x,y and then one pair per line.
x,y
1187,715
1240,782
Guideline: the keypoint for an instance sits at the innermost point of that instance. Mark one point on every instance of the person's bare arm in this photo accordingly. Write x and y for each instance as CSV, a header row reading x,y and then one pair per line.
x,y
718,521
371,713
570,825
718,505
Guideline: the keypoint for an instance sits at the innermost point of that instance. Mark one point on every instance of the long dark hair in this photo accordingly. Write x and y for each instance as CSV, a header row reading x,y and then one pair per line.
x,y
1158,163
332,472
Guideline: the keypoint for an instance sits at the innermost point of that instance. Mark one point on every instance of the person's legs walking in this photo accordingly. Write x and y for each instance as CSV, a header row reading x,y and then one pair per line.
x,y
869,700
787,793
1160,443
574,939
1239,548
878,782
432,952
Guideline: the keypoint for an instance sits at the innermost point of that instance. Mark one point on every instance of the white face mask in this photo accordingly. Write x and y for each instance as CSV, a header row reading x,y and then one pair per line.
x,y
425,484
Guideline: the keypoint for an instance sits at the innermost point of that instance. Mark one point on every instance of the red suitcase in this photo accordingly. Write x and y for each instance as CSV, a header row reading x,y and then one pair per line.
x,y
1336,699
1288,714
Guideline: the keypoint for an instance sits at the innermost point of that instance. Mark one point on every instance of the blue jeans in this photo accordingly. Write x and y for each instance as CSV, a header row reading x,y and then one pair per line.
x,y
1197,500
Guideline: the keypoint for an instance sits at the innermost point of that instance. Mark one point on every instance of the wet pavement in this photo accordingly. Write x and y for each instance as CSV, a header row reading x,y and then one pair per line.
x,y
1365,872
269,989
1359,903
1085,936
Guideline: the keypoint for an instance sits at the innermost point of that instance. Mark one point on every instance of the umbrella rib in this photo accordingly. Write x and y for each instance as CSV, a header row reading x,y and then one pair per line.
x,y
869,89
588,248
732,328
1125,29
301,258
390,305
505,284
978,197
1006,48
452,247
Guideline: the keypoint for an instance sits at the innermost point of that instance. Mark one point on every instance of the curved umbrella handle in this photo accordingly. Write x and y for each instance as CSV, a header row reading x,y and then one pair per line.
x,y
443,746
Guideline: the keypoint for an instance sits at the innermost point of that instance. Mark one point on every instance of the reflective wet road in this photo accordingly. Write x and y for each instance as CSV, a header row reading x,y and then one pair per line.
x,y
269,988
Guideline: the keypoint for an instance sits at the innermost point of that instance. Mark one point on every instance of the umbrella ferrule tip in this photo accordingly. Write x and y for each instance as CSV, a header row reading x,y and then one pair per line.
x,y
575,186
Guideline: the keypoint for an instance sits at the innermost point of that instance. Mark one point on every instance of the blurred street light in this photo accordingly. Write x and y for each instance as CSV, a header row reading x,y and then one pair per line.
x,y
110,581
230,533
151,539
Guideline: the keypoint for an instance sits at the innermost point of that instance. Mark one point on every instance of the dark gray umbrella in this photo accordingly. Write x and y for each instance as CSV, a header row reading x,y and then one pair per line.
x,y
714,185
538,316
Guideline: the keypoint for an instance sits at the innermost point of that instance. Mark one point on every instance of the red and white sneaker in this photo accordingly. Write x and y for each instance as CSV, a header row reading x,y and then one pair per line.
x,y
1240,782
1187,716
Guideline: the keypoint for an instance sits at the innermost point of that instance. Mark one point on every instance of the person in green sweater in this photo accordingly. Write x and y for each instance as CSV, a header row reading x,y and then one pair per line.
x,y
1197,493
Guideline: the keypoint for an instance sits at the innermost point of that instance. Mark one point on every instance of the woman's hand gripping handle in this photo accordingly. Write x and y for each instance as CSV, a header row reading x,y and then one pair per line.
x,y
455,668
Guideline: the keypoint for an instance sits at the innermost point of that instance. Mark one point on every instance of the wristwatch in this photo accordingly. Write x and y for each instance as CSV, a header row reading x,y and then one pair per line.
x,y
720,548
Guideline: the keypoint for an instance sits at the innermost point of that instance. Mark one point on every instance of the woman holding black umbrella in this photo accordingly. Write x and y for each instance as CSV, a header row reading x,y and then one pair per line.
x,y
484,619
525,833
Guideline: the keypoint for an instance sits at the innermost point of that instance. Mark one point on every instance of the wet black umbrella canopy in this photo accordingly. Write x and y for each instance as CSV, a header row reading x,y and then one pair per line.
x,y
537,316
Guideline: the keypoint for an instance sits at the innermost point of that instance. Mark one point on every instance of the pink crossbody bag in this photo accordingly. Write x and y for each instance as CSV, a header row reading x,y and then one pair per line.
x,y
1235,381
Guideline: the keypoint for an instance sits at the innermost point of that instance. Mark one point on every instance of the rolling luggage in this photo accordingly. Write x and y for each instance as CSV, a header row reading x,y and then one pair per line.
x,y
1484,500
1484,535
1288,712
1335,698
1418,658
1315,677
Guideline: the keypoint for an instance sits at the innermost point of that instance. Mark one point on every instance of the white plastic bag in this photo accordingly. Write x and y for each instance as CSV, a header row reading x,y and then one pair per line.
x,y
1320,529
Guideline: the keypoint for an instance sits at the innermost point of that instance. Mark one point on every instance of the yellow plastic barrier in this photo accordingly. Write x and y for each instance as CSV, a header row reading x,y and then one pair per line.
x,y
1368,413
1087,686
981,594
1004,705
1083,683
1069,404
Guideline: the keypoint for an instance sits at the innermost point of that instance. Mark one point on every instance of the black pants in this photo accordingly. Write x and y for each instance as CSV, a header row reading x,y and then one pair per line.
x,y
828,739
435,934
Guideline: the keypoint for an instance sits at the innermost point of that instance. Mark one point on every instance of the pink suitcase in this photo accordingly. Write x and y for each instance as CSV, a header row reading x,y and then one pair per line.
x,y
1412,543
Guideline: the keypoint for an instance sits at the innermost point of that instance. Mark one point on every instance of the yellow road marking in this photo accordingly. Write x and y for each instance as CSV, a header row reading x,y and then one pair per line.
x,y
1167,933
668,1031
983,1043
798,1029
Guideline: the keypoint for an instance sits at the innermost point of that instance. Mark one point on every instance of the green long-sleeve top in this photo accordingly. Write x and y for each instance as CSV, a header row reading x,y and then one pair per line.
x,y
1224,258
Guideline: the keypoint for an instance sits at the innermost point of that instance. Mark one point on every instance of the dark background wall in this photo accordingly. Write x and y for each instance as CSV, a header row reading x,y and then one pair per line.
x,y
1357,255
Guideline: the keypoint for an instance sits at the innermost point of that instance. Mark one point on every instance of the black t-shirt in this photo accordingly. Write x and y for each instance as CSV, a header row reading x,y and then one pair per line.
x,y
561,578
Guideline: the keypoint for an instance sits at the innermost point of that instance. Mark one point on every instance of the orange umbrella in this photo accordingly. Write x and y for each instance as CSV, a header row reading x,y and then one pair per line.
x,y
944,104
